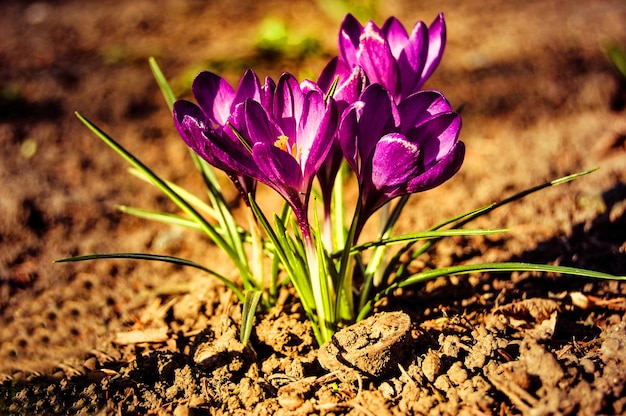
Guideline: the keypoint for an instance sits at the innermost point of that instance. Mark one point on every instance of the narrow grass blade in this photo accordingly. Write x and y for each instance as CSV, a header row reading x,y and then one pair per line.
x,y
377,266
231,232
463,219
287,258
168,94
482,268
193,200
220,211
426,235
247,315
158,216
167,190
156,257
617,57
338,216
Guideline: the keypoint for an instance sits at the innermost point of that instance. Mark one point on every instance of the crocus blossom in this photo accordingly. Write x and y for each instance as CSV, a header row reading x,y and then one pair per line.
x,y
217,100
399,61
290,144
279,136
399,149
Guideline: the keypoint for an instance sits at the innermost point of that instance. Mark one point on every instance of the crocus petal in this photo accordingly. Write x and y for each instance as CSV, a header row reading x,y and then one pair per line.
x,y
396,35
190,123
280,169
267,94
214,96
419,107
217,149
375,57
348,134
379,116
257,126
412,59
315,137
401,63
351,82
334,68
437,174
436,46
288,104
349,34
249,87
436,136
395,161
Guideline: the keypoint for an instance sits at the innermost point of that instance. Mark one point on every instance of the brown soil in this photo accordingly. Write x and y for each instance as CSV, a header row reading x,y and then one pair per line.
x,y
125,337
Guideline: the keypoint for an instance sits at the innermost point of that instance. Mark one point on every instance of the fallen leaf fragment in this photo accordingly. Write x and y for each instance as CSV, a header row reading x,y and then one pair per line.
x,y
141,336
588,301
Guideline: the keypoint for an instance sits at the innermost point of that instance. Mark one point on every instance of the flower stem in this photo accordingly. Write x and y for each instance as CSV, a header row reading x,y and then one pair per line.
x,y
321,285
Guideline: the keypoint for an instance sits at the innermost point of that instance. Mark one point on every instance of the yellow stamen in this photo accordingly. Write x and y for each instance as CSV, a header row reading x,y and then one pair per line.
x,y
283,144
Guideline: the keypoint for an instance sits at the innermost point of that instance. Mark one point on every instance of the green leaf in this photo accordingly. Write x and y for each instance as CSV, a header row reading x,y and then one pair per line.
x,y
247,315
425,235
617,57
292,266
159,216
193,200
482,268
168,94
175,197
463,219
156,257
232,232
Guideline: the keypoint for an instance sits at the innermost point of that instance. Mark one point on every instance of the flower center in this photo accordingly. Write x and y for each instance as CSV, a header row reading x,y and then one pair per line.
x,y
283,144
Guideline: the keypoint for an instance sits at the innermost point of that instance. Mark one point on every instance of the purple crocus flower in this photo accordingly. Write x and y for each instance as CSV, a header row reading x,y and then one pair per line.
x,y
390,56
217,100
399,150
290,144
277,135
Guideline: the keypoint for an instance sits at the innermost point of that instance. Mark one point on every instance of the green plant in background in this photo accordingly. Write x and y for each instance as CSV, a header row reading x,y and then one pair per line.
x,y
617,56
366,114
277,39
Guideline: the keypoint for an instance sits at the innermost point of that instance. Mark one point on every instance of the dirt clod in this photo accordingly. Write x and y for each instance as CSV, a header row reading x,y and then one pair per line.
x,y
372,347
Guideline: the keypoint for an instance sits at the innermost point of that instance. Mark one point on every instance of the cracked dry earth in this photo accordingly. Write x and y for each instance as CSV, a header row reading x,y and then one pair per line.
x,y
121,337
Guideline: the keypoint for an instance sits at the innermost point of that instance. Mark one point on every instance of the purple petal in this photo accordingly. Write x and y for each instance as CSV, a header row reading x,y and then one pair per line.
x,y
348,134
249,87
440,172
279,168
376,59
327,173
412,59
267,94
214,96
394,162
378,117
288,104
217,149
421,106
190,123
334,68
396,35
349,34
317,134
349,86
436,46
436,136
257,125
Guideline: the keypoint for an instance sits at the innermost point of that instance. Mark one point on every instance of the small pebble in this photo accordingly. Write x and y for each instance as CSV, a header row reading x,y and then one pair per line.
x,y
431,367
